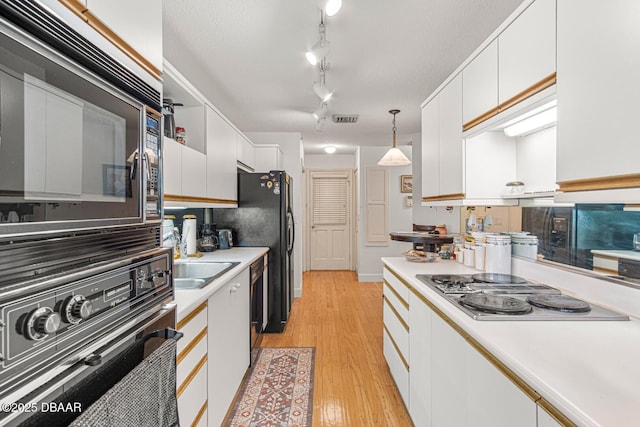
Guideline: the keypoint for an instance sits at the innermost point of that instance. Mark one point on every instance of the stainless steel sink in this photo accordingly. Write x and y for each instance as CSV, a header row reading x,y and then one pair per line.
x,y
185,283
196,275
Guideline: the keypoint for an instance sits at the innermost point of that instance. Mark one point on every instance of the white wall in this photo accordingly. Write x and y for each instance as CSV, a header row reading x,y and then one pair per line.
x,y
369,266
429,215
330,161
290,143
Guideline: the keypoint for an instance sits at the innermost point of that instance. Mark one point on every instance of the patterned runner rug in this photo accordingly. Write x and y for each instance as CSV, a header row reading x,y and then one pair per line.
x,y
278,390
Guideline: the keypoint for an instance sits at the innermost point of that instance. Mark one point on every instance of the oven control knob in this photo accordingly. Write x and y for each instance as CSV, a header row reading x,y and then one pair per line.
x,y
77,309
42,322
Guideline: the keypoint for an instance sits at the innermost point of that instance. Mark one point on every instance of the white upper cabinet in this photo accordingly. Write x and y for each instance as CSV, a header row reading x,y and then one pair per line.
x,y
203,171
598,69
245,153
138,23
185,170
480,83
442,154
430,149
451,144
172,166
527,49
222,180
268,157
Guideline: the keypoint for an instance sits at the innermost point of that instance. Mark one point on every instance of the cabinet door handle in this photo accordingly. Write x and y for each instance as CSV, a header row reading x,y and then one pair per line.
x,y
235,287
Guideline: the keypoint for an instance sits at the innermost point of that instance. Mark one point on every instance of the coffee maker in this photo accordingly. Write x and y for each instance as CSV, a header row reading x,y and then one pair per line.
x,y
208,238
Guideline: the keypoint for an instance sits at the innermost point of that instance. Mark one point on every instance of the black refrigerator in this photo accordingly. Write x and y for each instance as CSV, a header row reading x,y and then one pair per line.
x,y
264,218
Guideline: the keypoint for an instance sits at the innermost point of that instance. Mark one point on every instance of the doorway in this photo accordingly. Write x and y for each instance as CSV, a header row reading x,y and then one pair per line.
x,y
330,211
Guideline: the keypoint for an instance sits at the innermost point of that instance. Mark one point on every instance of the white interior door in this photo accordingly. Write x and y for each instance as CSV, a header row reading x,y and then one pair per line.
x,y
330,220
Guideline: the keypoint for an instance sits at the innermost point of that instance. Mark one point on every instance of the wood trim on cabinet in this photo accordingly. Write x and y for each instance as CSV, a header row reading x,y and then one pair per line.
x,y
397,295
187,349
76,7
393,309
186,319
605,270
152,111
182,387
444,197
398,277
118,42
94,22
195,199
200,413
600,183
404,362
555,414
481,118
548,81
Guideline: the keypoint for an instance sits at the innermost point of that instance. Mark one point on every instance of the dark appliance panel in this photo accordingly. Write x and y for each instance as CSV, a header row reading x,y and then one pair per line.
x,y
77,152
264,218
555,229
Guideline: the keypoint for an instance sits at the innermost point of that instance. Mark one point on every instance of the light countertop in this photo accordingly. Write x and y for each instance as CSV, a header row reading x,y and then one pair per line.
x,y
188,299
617,253
589,370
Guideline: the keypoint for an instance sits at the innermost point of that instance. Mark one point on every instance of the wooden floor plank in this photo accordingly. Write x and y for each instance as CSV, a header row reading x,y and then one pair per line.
x,y
342,318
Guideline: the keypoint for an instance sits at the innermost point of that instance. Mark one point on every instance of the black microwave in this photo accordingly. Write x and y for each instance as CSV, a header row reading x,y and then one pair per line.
x,y
79,130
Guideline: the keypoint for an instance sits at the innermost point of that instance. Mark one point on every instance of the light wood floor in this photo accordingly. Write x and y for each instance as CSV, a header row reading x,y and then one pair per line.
x,y
342,318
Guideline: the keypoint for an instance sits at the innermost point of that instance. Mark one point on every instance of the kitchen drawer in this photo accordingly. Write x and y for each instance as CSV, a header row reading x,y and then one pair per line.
x,y
399,285
397,366
397,329
605,264
401,307
192,399
191,325
188,360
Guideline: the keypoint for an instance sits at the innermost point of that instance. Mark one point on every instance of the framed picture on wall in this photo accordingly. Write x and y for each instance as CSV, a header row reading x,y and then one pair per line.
x,y
406,183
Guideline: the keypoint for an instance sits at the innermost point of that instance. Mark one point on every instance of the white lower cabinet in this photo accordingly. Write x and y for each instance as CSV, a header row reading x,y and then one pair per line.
x,y
448,382
420,356
396,333
228,344
191,370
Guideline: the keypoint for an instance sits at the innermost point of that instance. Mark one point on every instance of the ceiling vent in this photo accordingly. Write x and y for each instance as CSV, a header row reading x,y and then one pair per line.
x,y
344,118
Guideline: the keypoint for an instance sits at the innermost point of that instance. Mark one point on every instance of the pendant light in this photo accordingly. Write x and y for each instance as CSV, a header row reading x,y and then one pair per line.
x,y
394,156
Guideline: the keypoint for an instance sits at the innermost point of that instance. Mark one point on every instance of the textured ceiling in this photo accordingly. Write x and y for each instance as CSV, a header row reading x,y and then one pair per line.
x,y
247,57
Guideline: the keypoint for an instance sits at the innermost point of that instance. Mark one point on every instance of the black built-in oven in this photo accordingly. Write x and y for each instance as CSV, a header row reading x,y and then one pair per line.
x,y
80,133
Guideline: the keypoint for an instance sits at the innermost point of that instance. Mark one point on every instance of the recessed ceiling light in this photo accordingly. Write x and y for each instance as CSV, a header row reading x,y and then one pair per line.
x,y
332,7
329,149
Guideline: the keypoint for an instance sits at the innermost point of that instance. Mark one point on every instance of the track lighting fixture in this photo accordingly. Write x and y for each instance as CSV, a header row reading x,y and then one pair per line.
x,y
320,111
320,124
320,87
394,157
322,47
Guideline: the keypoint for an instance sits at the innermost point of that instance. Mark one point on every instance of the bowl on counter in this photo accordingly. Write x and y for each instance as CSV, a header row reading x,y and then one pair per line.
x,y
419,256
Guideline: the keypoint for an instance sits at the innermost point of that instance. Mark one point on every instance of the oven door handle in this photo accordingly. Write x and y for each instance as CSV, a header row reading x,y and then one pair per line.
x,y
134,167
95,359
166,333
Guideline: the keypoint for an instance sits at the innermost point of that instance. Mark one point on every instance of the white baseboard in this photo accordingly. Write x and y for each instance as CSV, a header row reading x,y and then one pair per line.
x,y
369,277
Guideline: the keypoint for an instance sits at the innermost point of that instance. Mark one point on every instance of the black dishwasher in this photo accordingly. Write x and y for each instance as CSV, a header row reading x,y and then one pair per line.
x,y
256,295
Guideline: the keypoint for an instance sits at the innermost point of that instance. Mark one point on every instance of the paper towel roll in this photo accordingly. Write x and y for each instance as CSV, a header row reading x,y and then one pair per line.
x,y
189,234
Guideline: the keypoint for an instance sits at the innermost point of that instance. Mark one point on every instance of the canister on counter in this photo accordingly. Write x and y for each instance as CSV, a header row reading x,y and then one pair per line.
x,y
181,135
